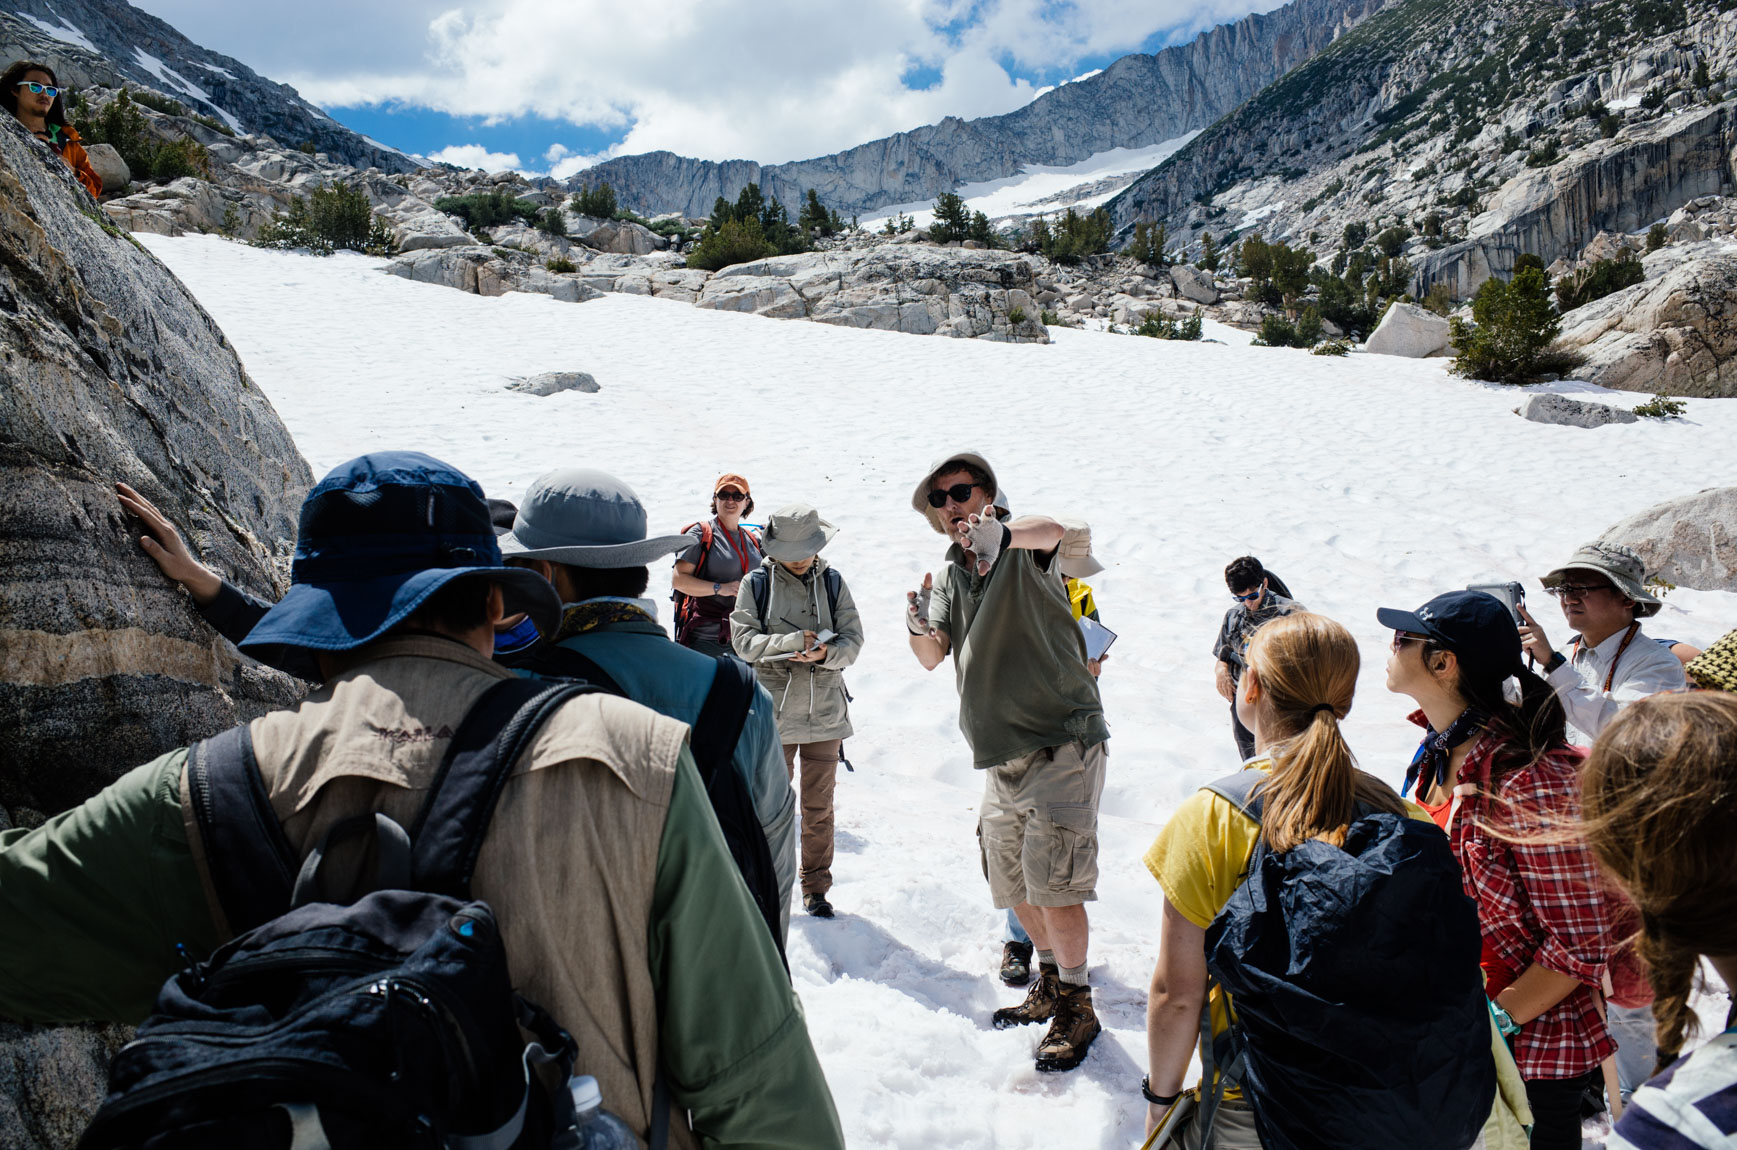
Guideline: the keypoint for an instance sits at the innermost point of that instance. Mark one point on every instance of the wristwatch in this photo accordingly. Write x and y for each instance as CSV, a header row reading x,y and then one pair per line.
x,y
1557,658
1154,1099
717,588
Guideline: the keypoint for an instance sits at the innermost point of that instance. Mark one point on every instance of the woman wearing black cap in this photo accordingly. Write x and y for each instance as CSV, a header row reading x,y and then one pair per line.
x,y
1503,782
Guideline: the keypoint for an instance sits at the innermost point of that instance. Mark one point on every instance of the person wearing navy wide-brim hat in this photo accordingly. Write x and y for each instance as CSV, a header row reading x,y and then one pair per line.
x,y
601,859
378,536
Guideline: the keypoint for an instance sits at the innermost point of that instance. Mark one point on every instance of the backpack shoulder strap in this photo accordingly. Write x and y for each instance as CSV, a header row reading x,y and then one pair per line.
x,y
834,584
449,829
555,660
249,860
722,716
760,585
1239,790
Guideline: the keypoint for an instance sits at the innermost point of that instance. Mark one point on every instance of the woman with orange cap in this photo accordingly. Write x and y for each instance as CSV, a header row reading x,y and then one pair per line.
x,y
708,574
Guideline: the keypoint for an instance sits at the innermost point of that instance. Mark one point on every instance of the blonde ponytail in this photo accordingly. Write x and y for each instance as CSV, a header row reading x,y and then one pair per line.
x,y
1306,666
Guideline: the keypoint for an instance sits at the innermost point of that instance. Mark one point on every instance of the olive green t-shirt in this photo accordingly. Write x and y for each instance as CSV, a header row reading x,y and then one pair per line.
x,y
1018,657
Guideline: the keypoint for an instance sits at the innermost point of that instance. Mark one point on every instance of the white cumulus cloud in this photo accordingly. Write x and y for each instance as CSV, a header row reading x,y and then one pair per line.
x,y
476,156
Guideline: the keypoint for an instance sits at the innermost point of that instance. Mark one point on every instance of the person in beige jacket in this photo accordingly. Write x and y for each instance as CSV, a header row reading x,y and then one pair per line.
x,y
796,623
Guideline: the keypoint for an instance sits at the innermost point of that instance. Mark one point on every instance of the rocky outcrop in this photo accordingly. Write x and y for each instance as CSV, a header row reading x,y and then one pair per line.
x,y
552,382
1136,102
1619,186
1676,334
109,167
128,45
1565,412
1691,541
1410,331
1192,283
110,371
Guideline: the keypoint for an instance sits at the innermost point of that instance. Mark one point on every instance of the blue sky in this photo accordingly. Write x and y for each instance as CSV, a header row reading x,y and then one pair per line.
x,y
553,85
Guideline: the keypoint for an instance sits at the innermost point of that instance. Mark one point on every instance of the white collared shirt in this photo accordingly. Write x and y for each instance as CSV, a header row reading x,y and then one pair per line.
x,y
1646,668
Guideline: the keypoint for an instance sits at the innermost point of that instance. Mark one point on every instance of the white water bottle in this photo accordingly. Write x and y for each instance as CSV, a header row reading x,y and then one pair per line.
x,y
595,1128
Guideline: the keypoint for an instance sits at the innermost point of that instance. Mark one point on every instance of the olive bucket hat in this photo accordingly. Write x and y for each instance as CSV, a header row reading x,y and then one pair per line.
x,y
920,497
796,532
1625,569
378,536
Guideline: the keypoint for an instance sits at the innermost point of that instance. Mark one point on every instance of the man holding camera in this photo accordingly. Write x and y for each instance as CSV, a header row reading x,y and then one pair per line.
x,y
1611,662
1030,710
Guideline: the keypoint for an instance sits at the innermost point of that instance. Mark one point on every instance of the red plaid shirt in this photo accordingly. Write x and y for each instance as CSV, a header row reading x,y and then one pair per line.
x,y
1538,902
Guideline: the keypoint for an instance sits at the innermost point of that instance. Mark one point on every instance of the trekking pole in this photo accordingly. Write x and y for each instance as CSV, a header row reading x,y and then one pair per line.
x,y
1174,1119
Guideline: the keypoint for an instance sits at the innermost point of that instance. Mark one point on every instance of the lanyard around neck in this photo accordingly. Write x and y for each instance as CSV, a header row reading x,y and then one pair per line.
x,y
1610,677
740,543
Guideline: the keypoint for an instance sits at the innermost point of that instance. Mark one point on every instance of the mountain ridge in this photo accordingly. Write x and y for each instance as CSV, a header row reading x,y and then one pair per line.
x,y
1139,100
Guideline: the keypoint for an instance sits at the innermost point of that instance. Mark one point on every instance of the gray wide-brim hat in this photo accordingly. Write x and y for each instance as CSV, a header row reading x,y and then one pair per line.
x,y
796,532
585,518
1625,569
920,497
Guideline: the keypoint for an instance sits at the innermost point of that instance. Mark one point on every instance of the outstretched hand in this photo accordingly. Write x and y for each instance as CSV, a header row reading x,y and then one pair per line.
x,y
168,550
982,535
917,608
1533,640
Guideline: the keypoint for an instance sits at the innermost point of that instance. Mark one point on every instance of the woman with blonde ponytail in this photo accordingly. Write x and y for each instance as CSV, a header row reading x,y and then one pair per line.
x,y
1661,815
1298,685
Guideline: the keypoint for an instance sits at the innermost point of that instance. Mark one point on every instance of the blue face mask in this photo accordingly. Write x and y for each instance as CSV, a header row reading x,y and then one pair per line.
x,y
521,635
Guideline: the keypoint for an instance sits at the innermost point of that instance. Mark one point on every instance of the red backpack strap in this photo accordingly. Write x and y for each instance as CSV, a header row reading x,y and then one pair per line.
x,y
684,602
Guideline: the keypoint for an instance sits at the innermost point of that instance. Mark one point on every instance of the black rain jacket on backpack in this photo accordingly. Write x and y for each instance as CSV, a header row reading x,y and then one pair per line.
x,y
390,1022
1360,1014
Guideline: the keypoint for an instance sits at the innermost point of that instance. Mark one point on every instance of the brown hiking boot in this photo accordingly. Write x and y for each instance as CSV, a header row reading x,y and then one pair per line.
x,y
1070,1035
1016,963
1039,1002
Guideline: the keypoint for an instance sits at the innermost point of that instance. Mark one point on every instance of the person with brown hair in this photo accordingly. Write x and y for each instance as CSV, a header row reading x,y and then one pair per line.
x,y
1661,815
710,572
31,93
1500,777
1309,816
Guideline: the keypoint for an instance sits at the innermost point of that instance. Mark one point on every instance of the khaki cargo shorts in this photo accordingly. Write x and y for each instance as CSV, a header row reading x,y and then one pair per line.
x,y
1038,826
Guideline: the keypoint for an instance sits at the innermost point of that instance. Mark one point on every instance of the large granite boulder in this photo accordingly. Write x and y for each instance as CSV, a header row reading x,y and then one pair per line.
x,y
918,289
108,164
1548,407
1192,283
1676,334
625,238
109,370
1410,331
1690,541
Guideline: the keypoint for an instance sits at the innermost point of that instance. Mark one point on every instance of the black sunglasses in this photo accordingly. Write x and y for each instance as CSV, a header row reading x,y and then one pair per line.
x,y
958,493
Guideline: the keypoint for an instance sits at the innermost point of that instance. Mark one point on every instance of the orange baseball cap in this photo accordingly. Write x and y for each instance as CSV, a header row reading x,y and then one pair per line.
x,y
731,480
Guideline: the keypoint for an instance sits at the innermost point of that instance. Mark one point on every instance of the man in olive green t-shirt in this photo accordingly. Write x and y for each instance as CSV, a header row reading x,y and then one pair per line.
x,y
1030,710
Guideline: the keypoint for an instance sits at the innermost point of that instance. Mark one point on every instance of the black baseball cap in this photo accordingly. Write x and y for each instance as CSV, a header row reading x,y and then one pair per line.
x,y
1476,627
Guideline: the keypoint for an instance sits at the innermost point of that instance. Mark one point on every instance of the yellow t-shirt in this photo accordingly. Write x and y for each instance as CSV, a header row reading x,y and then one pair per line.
x,y
1201,857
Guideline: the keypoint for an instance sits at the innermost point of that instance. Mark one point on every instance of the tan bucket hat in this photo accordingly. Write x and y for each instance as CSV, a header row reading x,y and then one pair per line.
x,y
920,497
796,532
1074,554
1617,563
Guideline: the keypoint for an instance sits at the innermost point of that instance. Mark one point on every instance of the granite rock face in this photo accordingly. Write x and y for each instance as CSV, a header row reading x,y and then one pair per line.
x,y
1691,541
108,164
1676,334
112,371
1136,102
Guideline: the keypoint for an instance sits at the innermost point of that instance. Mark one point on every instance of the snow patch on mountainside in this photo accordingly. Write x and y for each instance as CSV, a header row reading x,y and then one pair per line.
x,y
64,31
1040,188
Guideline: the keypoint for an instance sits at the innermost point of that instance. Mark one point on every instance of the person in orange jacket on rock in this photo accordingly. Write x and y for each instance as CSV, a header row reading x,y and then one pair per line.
x,y
30,92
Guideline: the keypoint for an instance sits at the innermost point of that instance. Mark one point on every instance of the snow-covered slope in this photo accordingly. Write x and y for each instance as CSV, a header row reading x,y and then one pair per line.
x,y
1040,188
1365,482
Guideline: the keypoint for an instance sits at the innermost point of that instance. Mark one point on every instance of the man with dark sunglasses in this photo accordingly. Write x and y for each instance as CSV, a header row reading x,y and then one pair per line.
x,y
1257,602
1030,710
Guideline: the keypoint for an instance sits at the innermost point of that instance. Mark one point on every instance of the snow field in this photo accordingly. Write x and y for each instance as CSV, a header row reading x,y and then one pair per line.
x,y
1366,481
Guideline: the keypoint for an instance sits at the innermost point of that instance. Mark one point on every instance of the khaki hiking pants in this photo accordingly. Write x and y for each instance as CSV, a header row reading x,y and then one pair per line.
x,y
819,778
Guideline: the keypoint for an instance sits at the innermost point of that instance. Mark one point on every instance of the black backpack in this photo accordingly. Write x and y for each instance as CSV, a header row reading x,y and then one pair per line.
x,y
713,742
1360,1017
390,1022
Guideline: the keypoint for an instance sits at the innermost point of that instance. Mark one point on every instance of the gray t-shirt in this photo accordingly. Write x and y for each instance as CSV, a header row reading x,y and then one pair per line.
x,y
1019,658
724,564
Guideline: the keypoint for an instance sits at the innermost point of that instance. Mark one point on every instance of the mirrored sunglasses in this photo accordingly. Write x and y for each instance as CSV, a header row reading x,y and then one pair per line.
x,y
36,89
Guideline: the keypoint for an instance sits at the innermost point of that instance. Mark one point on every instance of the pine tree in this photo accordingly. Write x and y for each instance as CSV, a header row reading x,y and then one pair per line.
x,y
815,220
952,219
1208,261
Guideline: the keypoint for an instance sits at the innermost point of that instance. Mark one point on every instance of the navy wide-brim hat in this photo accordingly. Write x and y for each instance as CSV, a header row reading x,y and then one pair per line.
x,y
378,536
1476,627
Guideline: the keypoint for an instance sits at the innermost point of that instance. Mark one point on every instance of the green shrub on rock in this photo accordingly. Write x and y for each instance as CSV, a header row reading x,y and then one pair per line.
x,y
336,216
1164,327
487,209
1512,328
1579,288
